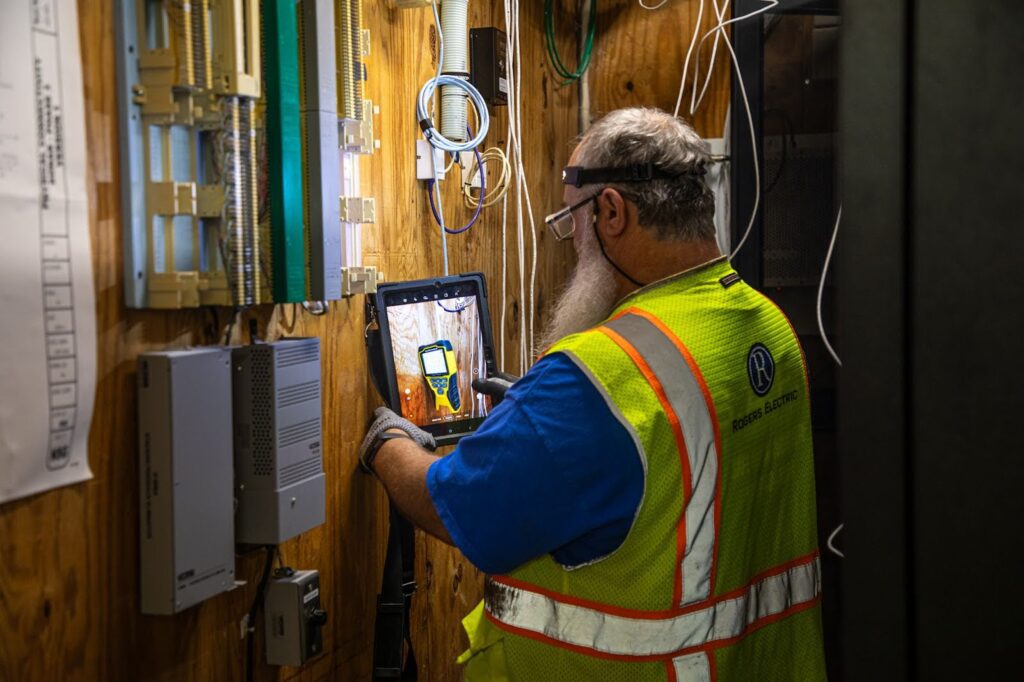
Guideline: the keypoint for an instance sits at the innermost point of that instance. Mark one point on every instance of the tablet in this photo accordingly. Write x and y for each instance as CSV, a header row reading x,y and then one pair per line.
x,y
435,339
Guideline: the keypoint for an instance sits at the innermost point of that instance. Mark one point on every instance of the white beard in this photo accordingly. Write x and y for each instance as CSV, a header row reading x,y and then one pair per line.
x,y
588,298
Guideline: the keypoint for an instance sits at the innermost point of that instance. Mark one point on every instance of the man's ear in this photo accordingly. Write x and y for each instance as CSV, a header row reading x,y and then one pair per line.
x,y
611,212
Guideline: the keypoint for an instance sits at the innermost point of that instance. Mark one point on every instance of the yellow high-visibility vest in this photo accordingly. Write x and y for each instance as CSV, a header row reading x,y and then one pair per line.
x,y
719,575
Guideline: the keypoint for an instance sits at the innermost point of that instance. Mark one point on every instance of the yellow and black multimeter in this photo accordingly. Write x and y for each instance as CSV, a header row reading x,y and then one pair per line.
x,y
437,362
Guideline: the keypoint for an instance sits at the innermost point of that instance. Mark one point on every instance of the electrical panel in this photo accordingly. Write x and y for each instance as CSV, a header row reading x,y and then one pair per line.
x,y
240,124
279,479
189,80
356,139
186,516
293,617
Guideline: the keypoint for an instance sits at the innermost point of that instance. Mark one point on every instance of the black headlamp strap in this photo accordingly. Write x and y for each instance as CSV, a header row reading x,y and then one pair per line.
x,y
578,176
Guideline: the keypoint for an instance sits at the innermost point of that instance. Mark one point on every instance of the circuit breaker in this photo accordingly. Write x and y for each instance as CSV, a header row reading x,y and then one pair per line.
x,y
294,618
279,475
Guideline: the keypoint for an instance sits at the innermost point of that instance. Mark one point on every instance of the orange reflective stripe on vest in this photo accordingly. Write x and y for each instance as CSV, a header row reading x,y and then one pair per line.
x,y
623,633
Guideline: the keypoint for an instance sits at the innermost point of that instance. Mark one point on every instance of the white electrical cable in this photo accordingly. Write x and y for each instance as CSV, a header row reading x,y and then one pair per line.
x,y
653,7
689,53
514,72
695,45
821,289
830,543
753,150
433,166
431,134
695,100
719,31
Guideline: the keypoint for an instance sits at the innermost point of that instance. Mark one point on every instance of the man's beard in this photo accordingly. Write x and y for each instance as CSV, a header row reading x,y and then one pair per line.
x,y
589,297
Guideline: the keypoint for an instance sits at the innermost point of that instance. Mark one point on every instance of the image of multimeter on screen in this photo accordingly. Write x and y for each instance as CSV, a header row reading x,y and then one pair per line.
x,y
437,361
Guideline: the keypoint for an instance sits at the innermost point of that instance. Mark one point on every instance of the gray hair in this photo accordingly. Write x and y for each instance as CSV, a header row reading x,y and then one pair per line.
x,y
679,208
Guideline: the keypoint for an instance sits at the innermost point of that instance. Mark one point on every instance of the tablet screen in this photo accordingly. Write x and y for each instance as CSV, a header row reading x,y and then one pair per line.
x,y
437,344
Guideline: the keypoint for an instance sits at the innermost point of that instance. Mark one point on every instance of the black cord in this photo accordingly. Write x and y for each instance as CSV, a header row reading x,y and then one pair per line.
x,y
250,629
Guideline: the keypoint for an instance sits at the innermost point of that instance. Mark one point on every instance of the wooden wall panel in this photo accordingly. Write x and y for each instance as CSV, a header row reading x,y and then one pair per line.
x,y
68,574
638,61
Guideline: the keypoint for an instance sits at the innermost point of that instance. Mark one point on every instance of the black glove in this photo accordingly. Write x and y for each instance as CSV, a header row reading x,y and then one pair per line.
x,y
384,419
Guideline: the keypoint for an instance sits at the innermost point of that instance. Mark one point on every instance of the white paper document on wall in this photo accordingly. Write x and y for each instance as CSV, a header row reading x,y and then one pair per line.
x,y
47,305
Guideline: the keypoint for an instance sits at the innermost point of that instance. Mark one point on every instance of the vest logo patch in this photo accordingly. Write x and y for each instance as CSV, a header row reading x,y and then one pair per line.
x,y
760,369
729,280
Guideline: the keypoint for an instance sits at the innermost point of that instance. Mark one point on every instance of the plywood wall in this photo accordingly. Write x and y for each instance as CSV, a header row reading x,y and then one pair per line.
x,y
69,606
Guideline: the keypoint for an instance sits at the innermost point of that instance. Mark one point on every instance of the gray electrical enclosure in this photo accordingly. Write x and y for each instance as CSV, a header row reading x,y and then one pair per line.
x,y
294,619
279,475
320,122
186,525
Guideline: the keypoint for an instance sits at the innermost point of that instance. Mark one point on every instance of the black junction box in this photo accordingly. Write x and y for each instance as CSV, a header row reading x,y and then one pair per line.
x,y
487,54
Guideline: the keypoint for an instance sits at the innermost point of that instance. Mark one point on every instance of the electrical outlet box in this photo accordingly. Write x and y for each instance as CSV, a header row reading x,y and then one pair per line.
x,y
471,175
279,476
293,617
487,64
186,524
424,153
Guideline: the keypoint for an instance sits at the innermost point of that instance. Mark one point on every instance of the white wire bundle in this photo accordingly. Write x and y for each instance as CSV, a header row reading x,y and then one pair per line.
x,y
695,99
514,152
436,139
432,134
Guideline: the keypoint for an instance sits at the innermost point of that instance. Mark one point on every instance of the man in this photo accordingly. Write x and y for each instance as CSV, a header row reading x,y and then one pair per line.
x,y
643,500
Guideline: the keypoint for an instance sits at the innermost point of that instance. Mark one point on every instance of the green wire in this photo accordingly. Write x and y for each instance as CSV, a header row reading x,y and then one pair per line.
x,y
559,66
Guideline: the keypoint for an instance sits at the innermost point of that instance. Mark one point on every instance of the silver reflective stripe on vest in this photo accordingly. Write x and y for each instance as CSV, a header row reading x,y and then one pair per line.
x,y
692,668
615,634
684,394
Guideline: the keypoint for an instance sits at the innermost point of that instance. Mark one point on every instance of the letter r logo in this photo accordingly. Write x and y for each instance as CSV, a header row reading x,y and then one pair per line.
x,y
760,369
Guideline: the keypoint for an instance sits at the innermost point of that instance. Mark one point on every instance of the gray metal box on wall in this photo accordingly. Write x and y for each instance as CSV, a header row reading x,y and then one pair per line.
x,y
294,619
186,525
279,479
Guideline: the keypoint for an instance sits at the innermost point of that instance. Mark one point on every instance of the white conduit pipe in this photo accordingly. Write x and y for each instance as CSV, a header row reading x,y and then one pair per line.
x,y
455,63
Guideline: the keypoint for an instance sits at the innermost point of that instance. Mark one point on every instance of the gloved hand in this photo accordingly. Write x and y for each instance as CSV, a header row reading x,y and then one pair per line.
x,y
384,419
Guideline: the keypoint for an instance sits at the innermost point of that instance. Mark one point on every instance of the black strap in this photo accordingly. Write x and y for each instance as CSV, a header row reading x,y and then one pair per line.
x,y
393,657
578,176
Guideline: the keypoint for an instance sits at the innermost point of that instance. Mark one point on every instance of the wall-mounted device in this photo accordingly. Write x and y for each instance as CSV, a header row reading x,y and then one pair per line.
x,y
440,371
434,339
487,64
186,518
188,78
279,479
293,617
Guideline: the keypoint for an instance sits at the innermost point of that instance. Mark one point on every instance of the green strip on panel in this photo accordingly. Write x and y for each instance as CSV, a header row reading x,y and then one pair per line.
x,y
284,149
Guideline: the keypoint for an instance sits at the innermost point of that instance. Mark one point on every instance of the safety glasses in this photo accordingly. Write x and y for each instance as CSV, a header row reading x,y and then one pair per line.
x,y
561,222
